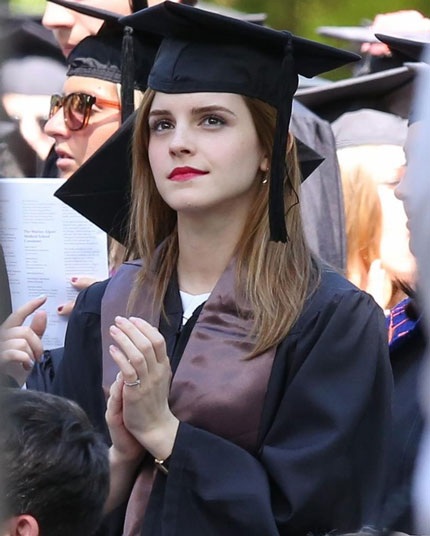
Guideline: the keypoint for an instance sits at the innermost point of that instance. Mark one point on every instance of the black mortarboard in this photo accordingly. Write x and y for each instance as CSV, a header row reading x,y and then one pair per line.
x,y
204,51
388,91
104,199
405,49
369,127
405,38
114,54
24,36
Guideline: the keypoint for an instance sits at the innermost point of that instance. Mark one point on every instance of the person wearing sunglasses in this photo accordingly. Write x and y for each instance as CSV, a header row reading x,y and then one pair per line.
x,y
81,120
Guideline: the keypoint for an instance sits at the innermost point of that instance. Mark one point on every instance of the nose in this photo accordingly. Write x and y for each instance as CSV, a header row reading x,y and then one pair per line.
x,y
56,16
181,141
401,188
56,126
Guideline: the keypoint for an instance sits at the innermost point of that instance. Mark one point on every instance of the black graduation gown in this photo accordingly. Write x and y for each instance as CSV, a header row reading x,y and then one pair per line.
x,y
322,439
408,422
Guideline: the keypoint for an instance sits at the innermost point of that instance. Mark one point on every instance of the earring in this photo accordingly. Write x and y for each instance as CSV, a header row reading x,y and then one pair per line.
x,y
265,177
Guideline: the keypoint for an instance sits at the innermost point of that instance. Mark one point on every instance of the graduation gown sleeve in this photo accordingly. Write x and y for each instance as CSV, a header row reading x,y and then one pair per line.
x,y
80,371
320,461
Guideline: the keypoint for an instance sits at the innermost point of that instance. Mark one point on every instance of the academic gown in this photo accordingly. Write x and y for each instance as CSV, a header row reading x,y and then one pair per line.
x,y
406,353
322,437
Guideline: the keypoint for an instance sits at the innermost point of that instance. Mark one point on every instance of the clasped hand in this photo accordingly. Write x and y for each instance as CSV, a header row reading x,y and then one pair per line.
x,y
138,412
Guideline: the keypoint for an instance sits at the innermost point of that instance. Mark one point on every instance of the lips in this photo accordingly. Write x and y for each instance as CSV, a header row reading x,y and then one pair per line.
x,y
185,173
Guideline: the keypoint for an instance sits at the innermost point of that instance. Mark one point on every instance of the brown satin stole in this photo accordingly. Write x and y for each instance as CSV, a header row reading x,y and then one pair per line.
x,y
214,388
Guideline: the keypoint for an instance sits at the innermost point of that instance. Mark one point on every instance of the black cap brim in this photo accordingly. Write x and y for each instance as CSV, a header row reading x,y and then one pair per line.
x,y
389,91
408,49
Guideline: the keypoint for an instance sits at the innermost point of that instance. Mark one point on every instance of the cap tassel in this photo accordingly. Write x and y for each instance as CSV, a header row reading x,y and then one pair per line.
x,y
127,74
287,86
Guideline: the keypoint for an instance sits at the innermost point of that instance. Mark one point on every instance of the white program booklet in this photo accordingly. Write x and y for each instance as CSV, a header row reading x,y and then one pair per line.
x,y
45,243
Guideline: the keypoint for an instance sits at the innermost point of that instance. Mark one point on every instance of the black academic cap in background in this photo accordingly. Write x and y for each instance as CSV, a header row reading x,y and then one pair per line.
x,y
100,188
388,91
101,56
369,127
405,49
372,62
24,36
205,51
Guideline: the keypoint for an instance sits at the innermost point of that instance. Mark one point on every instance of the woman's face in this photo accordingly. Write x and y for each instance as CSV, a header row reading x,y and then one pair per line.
x,y
204,152
74,147
396,257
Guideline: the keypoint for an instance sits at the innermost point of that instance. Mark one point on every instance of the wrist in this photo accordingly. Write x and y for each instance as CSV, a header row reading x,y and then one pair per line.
x,y
119,459
160,440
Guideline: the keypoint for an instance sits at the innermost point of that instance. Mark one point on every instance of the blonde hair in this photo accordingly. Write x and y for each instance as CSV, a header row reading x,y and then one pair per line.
x,y
363,211
276,278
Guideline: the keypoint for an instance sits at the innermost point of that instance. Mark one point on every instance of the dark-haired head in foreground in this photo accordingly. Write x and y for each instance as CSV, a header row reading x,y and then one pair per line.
x,y
54,467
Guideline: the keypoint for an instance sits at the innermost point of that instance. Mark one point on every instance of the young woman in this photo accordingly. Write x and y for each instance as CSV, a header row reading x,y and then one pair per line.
x,y
254,379
371,158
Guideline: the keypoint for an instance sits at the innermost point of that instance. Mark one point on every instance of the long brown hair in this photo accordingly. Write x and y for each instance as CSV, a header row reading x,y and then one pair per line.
x,y
275,278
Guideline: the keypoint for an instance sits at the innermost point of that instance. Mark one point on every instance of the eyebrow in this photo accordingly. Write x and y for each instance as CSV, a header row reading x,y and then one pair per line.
x,y
195,111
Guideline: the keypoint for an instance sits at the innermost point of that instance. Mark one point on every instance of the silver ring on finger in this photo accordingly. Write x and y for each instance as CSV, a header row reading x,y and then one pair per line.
x,y
132,384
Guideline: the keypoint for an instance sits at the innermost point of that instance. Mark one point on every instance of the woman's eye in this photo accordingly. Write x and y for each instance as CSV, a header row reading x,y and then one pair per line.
x,y
160,125
213,121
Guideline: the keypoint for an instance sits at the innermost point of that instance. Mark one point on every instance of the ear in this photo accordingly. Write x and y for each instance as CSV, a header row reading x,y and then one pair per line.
x,y
22,525
264,165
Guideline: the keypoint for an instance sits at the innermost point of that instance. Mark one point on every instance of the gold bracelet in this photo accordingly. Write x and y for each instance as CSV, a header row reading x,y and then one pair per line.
x,y
162,465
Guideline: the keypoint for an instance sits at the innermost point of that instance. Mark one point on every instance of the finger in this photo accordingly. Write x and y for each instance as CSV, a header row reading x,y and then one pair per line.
x,y
82,281
154,336
23,338
145,350
114,403
128,371
18,317
16,356
39,322
136,353
66,308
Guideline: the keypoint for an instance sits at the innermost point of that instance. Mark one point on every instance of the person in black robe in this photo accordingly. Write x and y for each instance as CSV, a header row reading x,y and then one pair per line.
x,y
243,429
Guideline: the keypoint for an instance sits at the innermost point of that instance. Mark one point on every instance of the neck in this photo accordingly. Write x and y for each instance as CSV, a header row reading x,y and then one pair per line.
x,y
205,250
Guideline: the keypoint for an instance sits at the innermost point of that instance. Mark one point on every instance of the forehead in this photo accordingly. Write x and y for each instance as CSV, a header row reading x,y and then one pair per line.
x,y
230,101
92,86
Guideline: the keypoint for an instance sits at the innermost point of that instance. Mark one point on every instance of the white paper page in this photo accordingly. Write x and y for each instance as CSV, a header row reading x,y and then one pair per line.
x,y
45,244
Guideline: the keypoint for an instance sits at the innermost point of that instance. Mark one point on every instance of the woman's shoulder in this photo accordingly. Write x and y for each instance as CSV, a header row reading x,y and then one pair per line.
x,y
333,286
336,300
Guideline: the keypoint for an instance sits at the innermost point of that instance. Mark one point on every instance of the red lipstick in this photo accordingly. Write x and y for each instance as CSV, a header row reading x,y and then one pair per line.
x,y
185,173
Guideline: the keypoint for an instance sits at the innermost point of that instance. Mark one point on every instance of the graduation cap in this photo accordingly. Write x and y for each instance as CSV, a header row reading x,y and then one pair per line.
x,y
406,49
24,36
115,54
406,24
100,188
369,127
207,52
30,59
388,91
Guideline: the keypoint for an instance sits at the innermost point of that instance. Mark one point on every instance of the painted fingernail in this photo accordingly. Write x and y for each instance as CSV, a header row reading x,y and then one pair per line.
x,y
74,279
60,308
